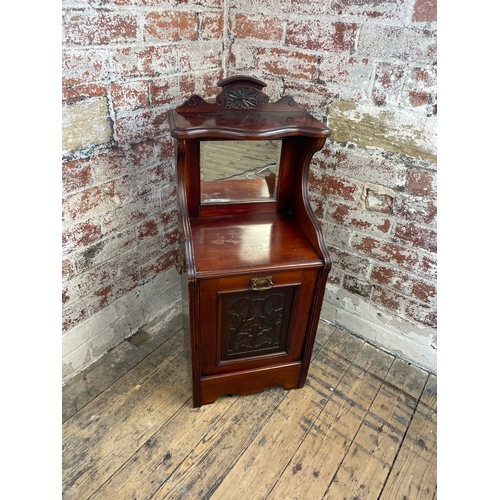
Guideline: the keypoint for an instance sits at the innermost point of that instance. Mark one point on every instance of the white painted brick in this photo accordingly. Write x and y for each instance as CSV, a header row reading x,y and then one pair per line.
x,y
172,276
167,299
85,124
127,212
75,338
373,168
407,346
392,333
129,302
165,318
106,249
346,71
336,234
244,55
101,320
121,329
89,340
199,56
76,361
395,41
108,338
328,312
159,283
130,323
167,195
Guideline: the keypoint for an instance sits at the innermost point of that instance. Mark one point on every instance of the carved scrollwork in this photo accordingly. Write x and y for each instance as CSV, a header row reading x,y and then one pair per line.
x,y
255,324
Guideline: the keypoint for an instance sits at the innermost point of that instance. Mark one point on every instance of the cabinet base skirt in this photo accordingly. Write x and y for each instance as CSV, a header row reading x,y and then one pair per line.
x,y
248,382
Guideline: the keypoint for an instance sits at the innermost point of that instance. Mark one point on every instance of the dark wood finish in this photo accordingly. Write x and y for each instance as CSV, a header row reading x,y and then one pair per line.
x,y
252,190
244,243
253,272
250,381
296,287
242,111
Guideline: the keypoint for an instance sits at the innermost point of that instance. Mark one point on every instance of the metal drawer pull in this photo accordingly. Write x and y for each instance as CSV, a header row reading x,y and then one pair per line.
x,y
262,283
179,261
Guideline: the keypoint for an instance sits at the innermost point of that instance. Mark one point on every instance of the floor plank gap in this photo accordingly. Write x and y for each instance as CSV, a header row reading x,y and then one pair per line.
x,y
363,427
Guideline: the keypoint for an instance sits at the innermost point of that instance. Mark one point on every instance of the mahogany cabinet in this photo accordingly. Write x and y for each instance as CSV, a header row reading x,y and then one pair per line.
x,y
252,257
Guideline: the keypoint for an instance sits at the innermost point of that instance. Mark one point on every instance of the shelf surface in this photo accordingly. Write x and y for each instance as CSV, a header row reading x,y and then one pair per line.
x,y
245,125
250,242
242,190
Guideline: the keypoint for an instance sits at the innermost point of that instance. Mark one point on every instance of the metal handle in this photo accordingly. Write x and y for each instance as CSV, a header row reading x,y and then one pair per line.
x,y
262,283
180,263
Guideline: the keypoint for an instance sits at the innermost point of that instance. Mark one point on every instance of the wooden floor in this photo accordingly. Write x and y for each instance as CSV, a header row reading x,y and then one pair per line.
x,y
363,427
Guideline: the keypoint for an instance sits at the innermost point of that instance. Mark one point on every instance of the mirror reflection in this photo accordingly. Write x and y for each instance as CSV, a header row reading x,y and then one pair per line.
x,y
239,171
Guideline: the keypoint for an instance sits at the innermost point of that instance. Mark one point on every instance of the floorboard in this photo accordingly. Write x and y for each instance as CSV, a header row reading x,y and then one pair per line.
x,y
363,427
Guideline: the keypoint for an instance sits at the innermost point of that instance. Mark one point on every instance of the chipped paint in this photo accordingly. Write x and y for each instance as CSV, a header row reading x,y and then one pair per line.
x,y
85,124
392,130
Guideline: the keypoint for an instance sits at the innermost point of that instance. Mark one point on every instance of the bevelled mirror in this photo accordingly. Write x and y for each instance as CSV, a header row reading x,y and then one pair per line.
x,y
239,171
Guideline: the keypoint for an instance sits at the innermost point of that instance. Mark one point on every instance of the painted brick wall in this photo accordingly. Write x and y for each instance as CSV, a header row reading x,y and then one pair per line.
x,y
367,69
125,63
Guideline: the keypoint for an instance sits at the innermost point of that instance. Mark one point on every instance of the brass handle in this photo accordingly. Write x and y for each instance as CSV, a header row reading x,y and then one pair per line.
x,y
180,263
262,283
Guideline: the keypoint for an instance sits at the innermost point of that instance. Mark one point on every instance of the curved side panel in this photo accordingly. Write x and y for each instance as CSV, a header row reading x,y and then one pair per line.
x,y
301,207
308,222
190,292
185,236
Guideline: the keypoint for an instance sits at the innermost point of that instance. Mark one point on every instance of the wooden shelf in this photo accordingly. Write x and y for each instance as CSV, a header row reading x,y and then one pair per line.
x,y
249,190
244,124
250,242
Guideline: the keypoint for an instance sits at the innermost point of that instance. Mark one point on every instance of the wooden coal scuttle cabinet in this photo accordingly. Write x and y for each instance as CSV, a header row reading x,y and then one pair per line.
x,y
252,257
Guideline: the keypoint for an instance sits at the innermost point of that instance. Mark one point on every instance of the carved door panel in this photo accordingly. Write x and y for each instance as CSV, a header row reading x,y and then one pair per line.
x,y
253,323
251,328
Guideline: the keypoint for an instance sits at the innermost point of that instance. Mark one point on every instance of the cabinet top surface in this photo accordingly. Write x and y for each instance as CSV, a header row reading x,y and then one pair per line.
x,y
242,110
244,243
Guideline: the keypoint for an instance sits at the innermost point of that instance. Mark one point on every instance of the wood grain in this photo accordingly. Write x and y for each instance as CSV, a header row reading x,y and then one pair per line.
x,y
284,433
363,426
414,474
109,430
243,243
316,461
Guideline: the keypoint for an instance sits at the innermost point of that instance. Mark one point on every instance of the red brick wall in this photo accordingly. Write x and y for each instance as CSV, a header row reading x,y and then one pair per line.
x,y
125,63
134,59
381,54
